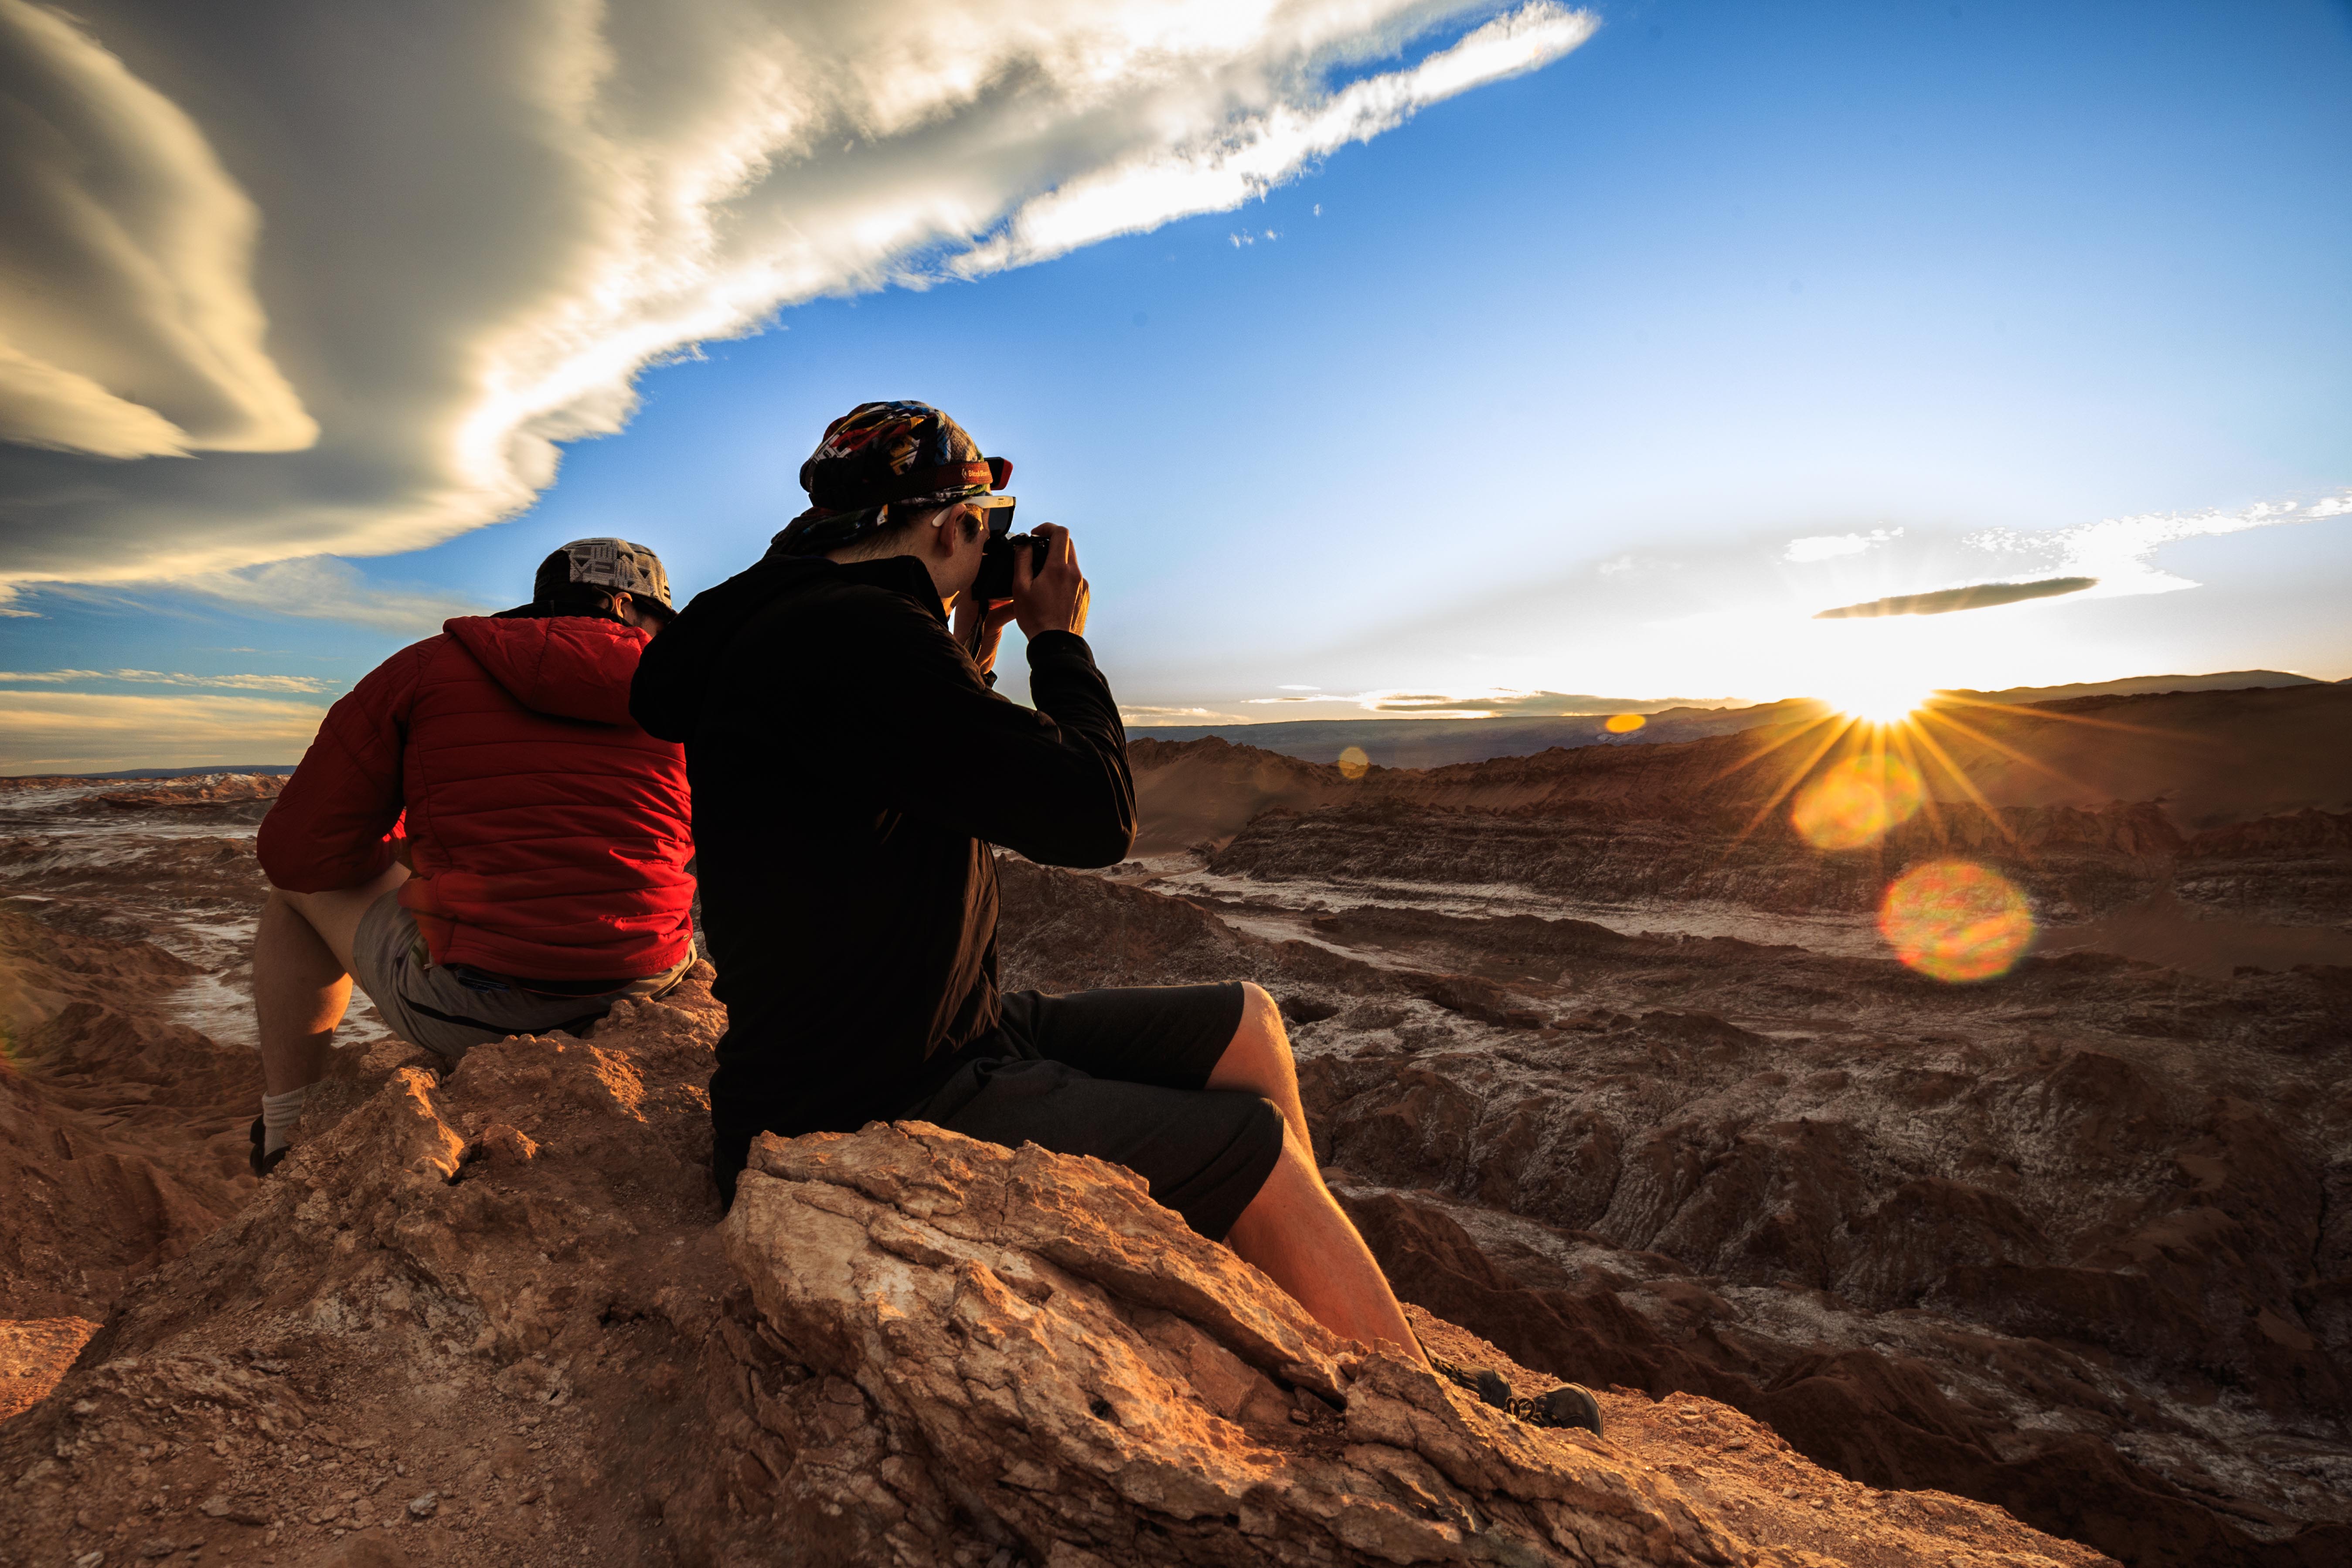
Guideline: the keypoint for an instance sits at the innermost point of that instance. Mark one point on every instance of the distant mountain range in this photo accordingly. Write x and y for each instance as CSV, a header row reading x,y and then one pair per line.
x,y
267,769
1440,743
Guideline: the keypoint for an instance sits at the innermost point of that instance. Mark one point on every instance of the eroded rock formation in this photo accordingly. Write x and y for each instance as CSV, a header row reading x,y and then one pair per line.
x,y
2239,802
2072,1243
489,1319
2076,1244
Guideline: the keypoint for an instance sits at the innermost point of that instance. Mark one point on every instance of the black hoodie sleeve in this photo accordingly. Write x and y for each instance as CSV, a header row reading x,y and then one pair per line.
x,y
906,717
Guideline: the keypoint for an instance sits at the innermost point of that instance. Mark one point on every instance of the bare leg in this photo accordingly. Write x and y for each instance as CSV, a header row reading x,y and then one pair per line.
x,y
1294,1229
302,978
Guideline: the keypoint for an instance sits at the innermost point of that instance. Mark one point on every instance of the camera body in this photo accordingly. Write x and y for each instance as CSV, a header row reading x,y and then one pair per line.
x,y
995,579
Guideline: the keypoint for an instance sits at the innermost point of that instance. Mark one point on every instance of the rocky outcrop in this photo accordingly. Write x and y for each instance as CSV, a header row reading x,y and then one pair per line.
x,y
2072,862
122,1142
1128,1392
488,1319
1858,1226
2072,1243
2240,798
2076,1243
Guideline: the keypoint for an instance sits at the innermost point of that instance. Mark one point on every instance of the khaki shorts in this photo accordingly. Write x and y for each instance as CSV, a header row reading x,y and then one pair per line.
x,y
449,1013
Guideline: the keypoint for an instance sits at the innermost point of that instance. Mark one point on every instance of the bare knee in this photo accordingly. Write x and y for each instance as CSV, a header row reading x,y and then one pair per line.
x,y
1258,1058
1262,1022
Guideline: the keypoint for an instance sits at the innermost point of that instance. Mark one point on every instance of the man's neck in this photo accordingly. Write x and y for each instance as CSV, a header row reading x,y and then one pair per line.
x,y
849,558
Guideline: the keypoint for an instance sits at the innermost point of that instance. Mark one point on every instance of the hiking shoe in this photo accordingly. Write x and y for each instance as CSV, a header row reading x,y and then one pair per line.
x,y
262,1164
1566,1406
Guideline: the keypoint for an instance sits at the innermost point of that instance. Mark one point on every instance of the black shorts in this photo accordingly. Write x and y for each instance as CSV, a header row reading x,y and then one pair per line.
x,y
1118,1075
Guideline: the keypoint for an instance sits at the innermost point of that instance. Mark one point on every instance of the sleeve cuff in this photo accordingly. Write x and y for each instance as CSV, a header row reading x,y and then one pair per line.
x,y
1058,647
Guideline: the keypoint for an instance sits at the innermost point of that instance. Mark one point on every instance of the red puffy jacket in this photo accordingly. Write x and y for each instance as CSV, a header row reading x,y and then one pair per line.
x,y
548,833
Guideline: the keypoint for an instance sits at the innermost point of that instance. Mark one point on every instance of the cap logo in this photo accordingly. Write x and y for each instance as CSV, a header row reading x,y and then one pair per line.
x,y
620,565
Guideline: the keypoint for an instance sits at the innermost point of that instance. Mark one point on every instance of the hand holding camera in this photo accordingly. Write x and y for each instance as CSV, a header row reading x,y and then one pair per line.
x,y
1049,594
1033,577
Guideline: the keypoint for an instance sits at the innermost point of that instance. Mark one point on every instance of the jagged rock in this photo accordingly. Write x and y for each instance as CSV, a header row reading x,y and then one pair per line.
x,y
2078,1242
2013,1241
1065,1350
112,1120
2084,803
503,1290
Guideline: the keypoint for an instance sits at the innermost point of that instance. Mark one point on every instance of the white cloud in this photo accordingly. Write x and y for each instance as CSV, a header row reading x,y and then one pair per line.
x,y
1829,546
470,244
73,732
307,684
1486,703
310,587
129,326
2118,550
1219,161
321,588
1148,716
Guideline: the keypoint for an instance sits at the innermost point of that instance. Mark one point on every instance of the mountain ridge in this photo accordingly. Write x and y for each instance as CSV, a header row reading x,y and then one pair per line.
x,y
1438,742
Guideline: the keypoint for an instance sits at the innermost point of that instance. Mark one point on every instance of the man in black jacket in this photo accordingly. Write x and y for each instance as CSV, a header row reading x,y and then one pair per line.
x,y
850,768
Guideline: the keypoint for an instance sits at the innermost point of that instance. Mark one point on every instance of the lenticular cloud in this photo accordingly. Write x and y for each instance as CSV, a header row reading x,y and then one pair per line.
x,y
371,264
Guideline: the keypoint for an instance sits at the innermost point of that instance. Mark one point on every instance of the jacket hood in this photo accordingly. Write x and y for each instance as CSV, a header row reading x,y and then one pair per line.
x,y
675,679
569,667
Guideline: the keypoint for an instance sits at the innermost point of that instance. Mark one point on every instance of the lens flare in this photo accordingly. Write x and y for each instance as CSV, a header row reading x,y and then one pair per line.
x,y
1954,922
1353,763
1874,701
1625,724
1856,802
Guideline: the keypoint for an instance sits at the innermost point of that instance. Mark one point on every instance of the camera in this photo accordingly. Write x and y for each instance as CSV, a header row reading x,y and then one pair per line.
x,y
995,579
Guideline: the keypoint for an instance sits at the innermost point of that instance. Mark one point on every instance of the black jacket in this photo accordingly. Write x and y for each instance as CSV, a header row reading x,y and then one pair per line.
x,y
850,768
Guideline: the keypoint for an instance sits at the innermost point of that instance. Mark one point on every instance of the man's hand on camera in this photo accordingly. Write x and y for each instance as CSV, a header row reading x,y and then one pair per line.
x,y
1055,599
1000,615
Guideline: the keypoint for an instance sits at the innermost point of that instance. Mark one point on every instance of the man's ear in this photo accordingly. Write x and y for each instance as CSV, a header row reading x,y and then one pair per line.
x,y
952,532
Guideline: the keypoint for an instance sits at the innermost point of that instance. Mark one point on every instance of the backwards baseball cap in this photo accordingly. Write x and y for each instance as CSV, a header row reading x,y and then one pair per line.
x,y
611,563
878,456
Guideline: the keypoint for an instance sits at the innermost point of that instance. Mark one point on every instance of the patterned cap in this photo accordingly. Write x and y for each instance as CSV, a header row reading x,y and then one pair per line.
x,y
882,454
613,563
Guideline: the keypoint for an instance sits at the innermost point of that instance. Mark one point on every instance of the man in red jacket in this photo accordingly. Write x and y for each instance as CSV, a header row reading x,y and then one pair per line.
x,y
480,837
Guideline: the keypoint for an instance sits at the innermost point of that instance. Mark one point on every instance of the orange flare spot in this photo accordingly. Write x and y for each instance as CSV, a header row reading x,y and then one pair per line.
x,y
1353,763
1954,922
1625,724
1857,801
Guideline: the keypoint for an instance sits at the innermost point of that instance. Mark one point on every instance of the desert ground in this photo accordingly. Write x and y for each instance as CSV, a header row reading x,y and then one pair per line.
x,y
1611,1051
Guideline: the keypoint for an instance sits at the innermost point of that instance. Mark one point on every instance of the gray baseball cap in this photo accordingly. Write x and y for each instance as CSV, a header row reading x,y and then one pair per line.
x,y
613,563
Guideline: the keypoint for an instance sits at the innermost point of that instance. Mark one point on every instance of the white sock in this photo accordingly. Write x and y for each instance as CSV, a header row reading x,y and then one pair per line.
x,y
279,1114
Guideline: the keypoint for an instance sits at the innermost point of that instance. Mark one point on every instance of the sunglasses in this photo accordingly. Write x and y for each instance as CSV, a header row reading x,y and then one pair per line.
x,y
995,511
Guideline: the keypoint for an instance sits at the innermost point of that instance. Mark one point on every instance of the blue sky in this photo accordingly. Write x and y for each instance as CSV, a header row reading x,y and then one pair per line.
x,y
1532,393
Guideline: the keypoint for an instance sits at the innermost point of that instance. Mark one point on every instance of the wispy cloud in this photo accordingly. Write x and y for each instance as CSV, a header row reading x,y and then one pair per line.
x,y
453,294
312,587
129,324
1830,546
1491,703
1148,715
1946,600
321,588
2119,550
1214,164
307,684
74,732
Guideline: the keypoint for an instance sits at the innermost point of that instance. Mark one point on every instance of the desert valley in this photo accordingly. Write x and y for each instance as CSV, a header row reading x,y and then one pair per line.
x,y
1881,1240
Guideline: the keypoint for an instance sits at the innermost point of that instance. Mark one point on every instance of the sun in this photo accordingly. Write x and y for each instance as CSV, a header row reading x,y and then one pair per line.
x,y
1875,701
